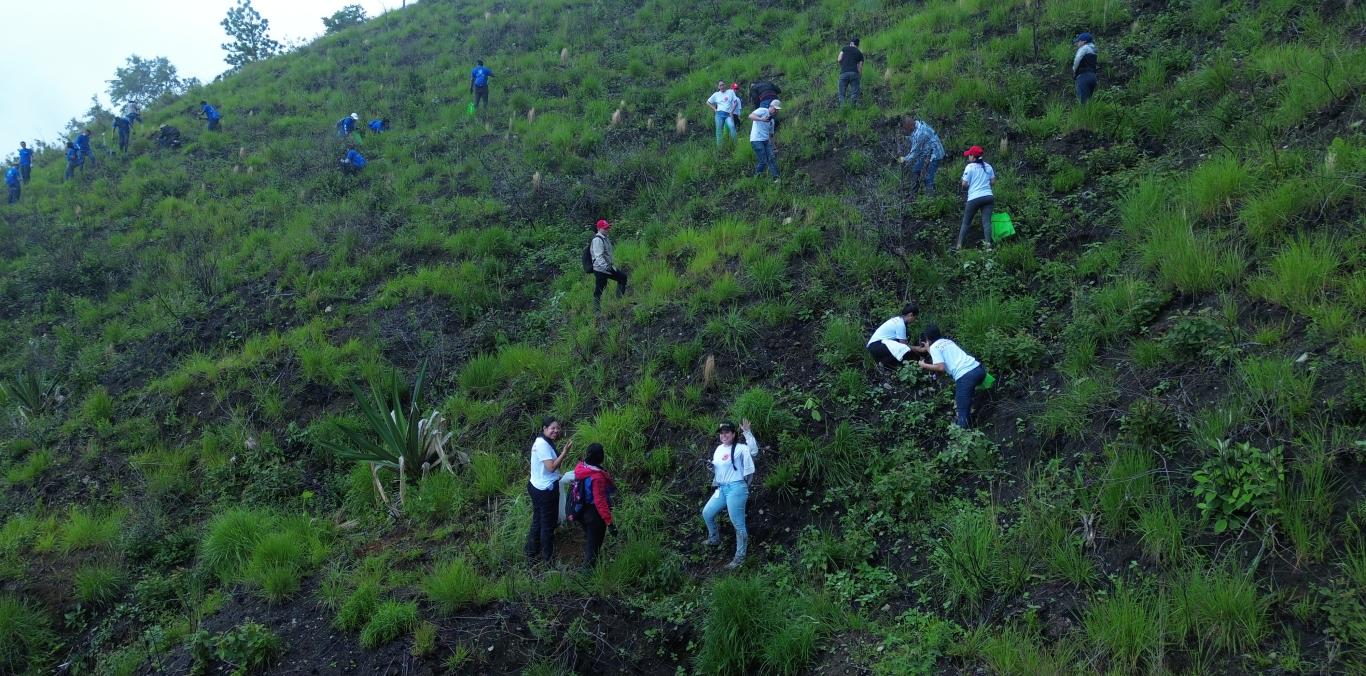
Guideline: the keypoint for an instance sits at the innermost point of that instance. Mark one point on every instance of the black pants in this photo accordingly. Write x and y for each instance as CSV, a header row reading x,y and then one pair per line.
x,y
545,514
600,283
594,529
883,356
481,95
25,170
983,205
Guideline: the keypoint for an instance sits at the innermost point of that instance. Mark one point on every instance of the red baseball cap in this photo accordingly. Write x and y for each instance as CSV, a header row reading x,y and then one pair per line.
x,y
735,85
603,224
975,151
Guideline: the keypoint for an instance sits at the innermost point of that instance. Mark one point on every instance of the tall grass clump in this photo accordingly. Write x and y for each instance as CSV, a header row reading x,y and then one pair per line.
x,y
86,530
841,342
1213,185
390,620
1221,609
760,407
25,636
750,627
1189,261
453,585
98,583
1128,626
1300,274
230,538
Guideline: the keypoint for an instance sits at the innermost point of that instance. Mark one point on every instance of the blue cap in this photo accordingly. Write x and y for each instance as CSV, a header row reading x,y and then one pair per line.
x,y
1083,37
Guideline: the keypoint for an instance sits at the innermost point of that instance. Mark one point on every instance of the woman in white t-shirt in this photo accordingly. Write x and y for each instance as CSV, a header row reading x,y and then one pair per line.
x,y
724,105
946,357
978,177
544,490
888,344
732,466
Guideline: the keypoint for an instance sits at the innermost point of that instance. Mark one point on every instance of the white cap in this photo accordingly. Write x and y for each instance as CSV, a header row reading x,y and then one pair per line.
x,y
355,116
775,104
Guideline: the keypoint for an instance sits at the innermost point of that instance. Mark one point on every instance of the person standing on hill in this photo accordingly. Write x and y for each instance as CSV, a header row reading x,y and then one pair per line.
x,y
594,488
926,151
1084,67
73,160
124,127
347,124
210,114
850,60
354,162
83,145
12,181
888,344
978,177
724,105
25,161
944,356
732,466
544,491
761,139
604,265
479,83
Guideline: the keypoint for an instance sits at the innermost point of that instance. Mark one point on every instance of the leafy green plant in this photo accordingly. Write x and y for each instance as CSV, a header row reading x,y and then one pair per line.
x,y
968,448
31,392
1241,481
249,647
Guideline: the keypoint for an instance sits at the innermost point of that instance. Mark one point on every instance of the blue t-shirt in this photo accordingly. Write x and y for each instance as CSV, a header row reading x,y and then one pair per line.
x,y
211,112
376,125
25,157
347,125
355,158
12,176
480,76
83,142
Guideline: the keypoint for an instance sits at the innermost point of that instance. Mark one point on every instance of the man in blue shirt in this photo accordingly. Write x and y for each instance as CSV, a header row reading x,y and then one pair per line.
x,y
211,114
347,125
926,151
12,180
73,160
380,125
25,161
123,126
353,162
479,83
83,145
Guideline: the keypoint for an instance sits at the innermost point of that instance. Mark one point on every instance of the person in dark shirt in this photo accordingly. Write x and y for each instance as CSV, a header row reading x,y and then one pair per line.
x,y
25,161
12,182
354,162
83,145
123,126
851,71
168,136
210,114
73,160
1084,67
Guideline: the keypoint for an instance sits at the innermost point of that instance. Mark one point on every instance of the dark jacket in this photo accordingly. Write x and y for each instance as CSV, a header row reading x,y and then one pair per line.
x,y
601,484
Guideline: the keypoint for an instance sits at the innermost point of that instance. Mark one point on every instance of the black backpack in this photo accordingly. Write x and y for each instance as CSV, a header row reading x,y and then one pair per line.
x,y
759,91
588,256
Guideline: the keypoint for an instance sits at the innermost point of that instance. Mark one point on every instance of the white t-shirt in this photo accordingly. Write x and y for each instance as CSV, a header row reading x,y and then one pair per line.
x,y
892,329
978,176
724,471
762,128
957,362
725,101
541,478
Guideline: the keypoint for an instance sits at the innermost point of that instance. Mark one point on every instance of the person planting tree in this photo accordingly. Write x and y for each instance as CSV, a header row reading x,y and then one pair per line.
x,y
73,160
12,180
210,115
123,126
944,356
544,490
888,344
354,162
978,178
762,122
850,61
924,154
732,466
347,124
83,145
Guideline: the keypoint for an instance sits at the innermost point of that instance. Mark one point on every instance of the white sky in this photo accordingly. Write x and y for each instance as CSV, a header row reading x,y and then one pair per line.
x,y
59,52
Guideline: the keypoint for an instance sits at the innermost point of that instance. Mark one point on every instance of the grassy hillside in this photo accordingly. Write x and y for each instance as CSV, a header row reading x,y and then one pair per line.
x,y
1168,476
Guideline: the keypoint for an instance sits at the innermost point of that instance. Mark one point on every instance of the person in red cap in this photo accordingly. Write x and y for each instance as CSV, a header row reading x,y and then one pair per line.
x,y
604,268
978,177
724,104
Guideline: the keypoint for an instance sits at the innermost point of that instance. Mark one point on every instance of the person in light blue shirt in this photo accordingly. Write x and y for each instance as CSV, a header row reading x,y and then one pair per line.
x,y
479,83
83,145
73,160
353,162
761,138
25,161
926,152
211,114
12,181
978,177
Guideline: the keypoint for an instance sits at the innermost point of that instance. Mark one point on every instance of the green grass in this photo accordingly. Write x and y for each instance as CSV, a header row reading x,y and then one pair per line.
x,y
1128,626
98,584
25,635
1300,274
453,585
390,620
1221,610
88,530
230,539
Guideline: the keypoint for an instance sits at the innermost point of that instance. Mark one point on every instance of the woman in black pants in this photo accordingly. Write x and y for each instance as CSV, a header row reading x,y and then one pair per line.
x,y
544,490
594,509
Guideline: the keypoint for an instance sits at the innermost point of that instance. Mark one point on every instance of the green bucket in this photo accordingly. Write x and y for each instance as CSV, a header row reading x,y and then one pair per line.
x,y
1001,226
987,382
469,110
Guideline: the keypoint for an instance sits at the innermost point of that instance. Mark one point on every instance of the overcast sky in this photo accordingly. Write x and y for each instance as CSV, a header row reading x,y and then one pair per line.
x,y
59,52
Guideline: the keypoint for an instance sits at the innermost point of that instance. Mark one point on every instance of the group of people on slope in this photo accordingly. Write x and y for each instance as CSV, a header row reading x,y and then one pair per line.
x,y
592,490
927,151
726,105
890,346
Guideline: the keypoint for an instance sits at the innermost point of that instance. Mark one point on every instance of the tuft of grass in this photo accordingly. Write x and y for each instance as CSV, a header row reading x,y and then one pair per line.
x,y
1161,531
98,583
1214,185
1126,486
1070,412
750,628
87,530
1221,609
25,636
1128,626
230,538
761,408
390,620
453,585
841,342
357,609
488,475
1274,388
1300,274
621,431
1190,261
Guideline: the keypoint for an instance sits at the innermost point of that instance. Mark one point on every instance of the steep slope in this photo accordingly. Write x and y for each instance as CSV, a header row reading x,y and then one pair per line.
x,y
1168,476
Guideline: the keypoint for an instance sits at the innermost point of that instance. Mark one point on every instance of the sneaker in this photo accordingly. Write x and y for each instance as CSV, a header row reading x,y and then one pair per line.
x,y
712,542
735,563
776,180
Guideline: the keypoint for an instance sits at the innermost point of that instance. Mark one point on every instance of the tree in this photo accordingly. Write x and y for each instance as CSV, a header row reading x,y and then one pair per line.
x,y
346,17
248,29
141,81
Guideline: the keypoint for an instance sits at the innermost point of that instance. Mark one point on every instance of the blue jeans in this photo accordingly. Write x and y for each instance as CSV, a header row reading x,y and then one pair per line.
x,y
733,497
123,140
923,168
850,85
213,125
963,391
1086,86
70,169
726,122
88,155
763,153
25,171
13,194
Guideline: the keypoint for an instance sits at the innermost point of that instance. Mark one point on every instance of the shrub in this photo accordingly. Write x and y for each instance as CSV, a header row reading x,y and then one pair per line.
x,y
250,647
390,620
1240,481
454,584
25,636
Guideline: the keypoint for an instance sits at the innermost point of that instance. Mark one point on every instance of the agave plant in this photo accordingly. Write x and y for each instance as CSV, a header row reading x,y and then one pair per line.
x,y
396,436
32,393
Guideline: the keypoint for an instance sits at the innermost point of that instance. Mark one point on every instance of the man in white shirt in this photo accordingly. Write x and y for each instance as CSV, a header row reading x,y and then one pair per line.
x,y
543,488
724,104
761,138
888,344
